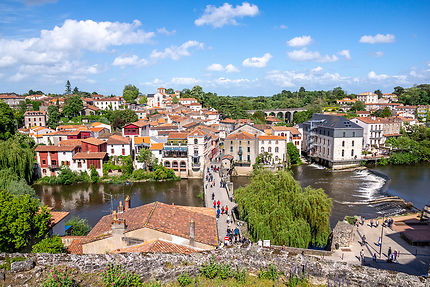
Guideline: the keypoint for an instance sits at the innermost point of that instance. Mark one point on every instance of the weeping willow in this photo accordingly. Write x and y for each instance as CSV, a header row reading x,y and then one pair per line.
x,y
278,209
17,158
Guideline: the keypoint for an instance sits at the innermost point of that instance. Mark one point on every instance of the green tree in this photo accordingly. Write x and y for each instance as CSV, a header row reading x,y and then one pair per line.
x,y
75,91
143,100
301,117
293,154
22,222
68,88
175,100
53,116
73,106
130,94
128,166
145,155
36,105
277,208
94,175
379,93
358,106
259,118
20,188
7,122
79,226
17,157
338,93
119,118
385,113
49,245
398,91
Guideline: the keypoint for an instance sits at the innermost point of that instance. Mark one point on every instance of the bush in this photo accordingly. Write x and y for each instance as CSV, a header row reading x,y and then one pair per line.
x,y
382,162
49,245
295,281
59,278
8,262
239,275
210,270
184,279
116,275
141,174
94,174
79,226
270,273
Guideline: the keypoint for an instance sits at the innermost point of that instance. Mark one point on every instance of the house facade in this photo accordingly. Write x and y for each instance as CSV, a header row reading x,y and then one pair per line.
x,y
35,118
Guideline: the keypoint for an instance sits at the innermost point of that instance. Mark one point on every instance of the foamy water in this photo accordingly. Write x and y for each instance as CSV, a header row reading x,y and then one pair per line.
x,y
370,185
317,166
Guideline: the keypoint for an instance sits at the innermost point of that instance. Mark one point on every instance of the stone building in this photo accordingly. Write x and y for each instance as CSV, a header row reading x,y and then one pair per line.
x,y
243,147
333,141
35,118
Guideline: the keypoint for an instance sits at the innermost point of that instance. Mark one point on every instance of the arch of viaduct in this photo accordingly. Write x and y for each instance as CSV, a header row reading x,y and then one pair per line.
x,y
284,114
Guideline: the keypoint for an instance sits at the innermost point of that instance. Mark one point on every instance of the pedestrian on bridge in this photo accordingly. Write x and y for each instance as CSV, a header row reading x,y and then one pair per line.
x,y
214,203
226,209
218,203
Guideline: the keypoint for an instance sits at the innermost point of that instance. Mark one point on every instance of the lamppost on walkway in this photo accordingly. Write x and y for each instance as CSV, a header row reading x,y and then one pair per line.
x,y
382,235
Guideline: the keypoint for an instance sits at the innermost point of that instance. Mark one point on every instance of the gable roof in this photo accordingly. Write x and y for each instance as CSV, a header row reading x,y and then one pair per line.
x,y
93,141
45,148
116,139
90,155
240,136
156,146
331,121
176,135
171,219
159,246
138,124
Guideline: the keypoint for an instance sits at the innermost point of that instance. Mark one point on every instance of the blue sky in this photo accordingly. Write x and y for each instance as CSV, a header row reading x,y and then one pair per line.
x,y
232,48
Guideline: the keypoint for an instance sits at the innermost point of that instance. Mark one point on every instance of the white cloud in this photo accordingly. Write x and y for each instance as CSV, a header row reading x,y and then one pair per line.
x,y
373,76
129,61
300,41
226,81
317,69
165,31
345,53
283,27
215,68
230,68
378,54
305,55
257,62
59,49
378,38
184,81
176,52
226,14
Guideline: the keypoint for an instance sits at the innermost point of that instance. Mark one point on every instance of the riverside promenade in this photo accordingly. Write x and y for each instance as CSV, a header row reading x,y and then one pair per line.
x,y
221,194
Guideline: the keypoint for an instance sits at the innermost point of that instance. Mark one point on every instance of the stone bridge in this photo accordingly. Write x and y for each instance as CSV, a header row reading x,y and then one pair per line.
x,y
284,114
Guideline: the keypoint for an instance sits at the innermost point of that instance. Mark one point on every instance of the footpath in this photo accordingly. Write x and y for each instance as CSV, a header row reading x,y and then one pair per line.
x,y
221,194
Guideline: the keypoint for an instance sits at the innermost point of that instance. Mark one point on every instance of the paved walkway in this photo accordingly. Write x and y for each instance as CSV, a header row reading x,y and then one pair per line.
x,y
221,195
413,260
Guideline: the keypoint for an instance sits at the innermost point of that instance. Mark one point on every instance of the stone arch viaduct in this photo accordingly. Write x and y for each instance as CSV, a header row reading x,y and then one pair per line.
x,y
284,114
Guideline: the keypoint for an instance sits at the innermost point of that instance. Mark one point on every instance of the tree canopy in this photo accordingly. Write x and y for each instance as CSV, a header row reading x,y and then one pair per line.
x,y
73,106
119,118
293,154
7,121
53,116
130,94
22,222
18,157
278,209
145,155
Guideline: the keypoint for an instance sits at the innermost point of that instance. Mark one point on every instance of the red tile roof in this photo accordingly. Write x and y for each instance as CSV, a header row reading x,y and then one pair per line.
x,y
240,136
159,246
116,140
90,155
57,216
93,141
176,135
45,148
170,219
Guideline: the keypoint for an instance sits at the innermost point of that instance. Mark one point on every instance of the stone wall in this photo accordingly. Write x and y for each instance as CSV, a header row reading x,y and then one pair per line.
x,y
166,267
342,235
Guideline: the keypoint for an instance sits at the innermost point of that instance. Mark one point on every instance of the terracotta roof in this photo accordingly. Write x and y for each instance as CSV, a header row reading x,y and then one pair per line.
x,y
264,137
69,127
93,141
197,132
240,136
73,142
369,120
156,146
159,246
75,247
45,148
186,99
96,124
99,129
57,216
280,128
170,219
35,113
363,112
228,121
367,94
90,155
228,156
177,135
91,108
139,124
115,139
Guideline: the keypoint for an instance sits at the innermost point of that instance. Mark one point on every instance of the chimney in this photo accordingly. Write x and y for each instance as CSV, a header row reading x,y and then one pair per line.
x,y
127,203
118,228
192,232
120,207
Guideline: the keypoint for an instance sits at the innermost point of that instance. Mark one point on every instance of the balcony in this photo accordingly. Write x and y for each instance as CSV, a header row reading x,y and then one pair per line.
x,y
53,166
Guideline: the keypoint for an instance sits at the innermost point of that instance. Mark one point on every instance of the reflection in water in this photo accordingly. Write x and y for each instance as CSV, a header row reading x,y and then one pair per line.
x,y
349,190
92,201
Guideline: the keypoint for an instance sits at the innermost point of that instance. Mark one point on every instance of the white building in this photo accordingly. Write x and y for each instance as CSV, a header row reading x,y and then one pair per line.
x,y
367,98
108,103
118,146
187,101
373,132
35,118
275,145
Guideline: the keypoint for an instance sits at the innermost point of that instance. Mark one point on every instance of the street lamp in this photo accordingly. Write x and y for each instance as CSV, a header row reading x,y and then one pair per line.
x,y
382,235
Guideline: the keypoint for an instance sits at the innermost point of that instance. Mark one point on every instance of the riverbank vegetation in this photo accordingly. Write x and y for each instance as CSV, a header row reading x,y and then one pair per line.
x,y
276,208
412,147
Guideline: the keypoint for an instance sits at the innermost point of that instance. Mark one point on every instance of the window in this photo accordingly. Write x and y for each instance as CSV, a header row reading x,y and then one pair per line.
x,y
343,143
249,149
343,152
248,142
352,152
231,142
231,149
196,141
344,134
352,143
269,149
123,151
276,149
262,149
79,164
43,161
248,157
276,142
353,134
270,142
112,151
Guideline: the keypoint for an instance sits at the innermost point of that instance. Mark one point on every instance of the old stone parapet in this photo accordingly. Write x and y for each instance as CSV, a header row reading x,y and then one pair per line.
x,y
166,267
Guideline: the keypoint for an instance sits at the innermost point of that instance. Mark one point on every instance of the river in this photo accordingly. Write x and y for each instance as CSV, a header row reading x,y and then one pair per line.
x,y
349,190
